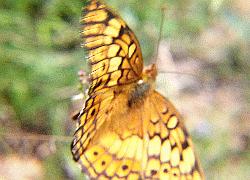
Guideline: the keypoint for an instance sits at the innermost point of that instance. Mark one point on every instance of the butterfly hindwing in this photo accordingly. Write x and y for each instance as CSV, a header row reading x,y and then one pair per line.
x,y
170,152
147,140
113,157
90,119
114,149
113,50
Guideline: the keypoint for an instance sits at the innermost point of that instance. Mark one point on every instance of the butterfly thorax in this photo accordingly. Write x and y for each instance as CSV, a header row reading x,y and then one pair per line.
x,y
143,86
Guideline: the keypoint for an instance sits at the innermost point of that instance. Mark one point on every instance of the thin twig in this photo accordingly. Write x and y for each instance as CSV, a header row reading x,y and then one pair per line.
x,y
36,137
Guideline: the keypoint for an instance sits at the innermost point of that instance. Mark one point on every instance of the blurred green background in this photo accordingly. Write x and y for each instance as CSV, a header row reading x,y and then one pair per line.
x,y
40,56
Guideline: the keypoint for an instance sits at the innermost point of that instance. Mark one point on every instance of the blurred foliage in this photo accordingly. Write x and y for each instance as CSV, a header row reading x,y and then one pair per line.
x,y
40,55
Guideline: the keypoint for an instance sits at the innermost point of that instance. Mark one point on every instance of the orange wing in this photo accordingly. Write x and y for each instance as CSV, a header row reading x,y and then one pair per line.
x,y
170,153
113,50
145,141
116,60
89,121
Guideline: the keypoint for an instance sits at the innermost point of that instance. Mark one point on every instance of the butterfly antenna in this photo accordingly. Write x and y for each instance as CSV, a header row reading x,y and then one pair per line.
x,y
163,10
163,13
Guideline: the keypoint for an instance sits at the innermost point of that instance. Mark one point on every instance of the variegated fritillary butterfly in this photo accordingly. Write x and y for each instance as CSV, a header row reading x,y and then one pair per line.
x,y
127,130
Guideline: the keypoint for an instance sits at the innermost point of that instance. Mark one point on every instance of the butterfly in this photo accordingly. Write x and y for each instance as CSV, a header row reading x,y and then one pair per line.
x,y
127,130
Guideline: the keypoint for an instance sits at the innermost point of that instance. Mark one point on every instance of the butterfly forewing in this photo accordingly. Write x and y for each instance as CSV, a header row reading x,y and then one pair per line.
x,y
113,50
115,59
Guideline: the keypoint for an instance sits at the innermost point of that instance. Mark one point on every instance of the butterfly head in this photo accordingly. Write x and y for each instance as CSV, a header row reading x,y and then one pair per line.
x,y
149,73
